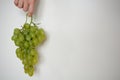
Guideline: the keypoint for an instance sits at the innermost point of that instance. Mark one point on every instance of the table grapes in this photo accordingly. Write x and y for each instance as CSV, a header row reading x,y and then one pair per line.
x,y
27,38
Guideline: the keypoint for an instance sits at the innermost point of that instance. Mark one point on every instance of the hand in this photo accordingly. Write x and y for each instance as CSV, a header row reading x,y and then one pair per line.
x,y
26,5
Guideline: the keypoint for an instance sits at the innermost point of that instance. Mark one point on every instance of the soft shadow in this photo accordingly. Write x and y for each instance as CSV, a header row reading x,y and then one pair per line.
x,y
41,59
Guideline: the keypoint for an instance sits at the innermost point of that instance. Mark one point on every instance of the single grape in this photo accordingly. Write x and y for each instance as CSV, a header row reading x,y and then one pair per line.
x,y
24,55
21,45
26,68
28,37
30,62
26,26
34,57
25,61
18,55
26,44
16,31
37,32
34,61
42,33
35,41
39,39
18,52
32,34
33,29
33,52
31,70
31,43
25,32
14,37
21,37
30,73
17,43
29,57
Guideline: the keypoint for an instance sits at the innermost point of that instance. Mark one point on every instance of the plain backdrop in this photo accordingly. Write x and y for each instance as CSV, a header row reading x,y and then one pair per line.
x,y
83,40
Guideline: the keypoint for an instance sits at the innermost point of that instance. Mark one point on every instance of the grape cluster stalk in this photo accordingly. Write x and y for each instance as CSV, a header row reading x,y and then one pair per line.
x,y
27,39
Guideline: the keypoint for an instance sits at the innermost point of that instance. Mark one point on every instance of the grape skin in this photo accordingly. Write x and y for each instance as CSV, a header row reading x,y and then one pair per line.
x,y
27,39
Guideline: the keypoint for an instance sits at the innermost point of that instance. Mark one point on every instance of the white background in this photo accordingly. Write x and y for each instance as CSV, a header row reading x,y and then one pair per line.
x,y
83,40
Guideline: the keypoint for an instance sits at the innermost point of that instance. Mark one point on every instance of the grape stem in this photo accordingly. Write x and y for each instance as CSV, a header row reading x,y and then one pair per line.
x,y
31,20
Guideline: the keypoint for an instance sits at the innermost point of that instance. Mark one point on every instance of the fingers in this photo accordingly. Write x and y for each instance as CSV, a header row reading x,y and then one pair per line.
x,y
20,5
16,2
26,5
31,8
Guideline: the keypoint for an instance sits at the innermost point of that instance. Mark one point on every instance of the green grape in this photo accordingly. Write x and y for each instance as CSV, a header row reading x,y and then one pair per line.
x,y
28,37
14,37
30,62
20,56
33,52
39,39
35,41
24,55
26,44
33,29
21,37
26,68
34,57
16,31
18,53
31,71
21,45
32,34
18,50
34,61
25,32
17,43
42,33
25,61
25,71
31,43
26,26
43,37
29,57
37,32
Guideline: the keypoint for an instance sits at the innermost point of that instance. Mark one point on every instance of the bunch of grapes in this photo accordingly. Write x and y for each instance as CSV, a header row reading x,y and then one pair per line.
x,y
27,39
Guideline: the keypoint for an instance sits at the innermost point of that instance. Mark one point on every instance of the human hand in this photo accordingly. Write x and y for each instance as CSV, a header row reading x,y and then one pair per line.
x,y
26,5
